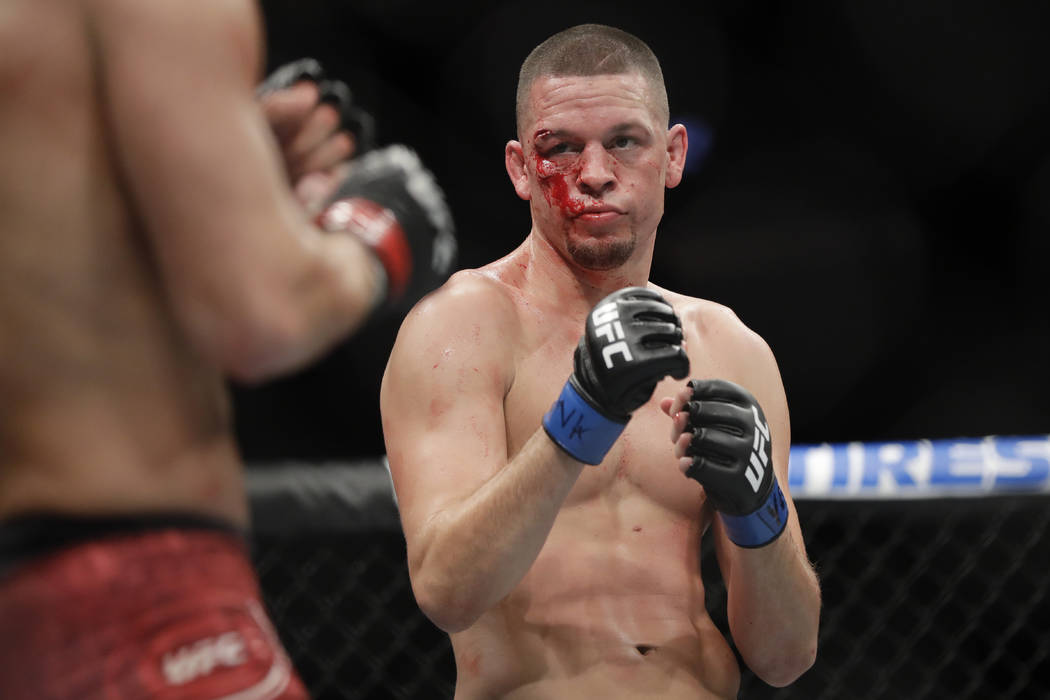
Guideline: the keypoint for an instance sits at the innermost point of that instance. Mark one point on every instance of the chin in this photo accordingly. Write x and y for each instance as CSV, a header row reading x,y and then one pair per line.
x,y
601,253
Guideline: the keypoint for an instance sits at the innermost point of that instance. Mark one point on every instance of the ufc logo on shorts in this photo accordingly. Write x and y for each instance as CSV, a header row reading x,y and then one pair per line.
x,y
200,658
759,460
607,325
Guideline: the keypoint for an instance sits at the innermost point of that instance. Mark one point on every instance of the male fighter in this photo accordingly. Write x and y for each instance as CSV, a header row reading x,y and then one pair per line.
x,y
151,247
552,530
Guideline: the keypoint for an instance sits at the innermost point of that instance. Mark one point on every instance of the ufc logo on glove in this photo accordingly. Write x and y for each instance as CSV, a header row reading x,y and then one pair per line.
x,y
632,340
606,319
759,458
732,460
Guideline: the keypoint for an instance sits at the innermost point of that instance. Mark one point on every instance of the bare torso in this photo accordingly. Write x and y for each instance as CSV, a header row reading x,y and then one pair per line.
x,y
103,405
614,604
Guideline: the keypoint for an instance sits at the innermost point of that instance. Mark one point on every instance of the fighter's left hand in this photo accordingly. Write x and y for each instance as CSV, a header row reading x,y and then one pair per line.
x,y
722,440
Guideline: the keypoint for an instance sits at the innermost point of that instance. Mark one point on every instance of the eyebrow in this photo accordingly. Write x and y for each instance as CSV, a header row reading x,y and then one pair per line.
x,y
547,134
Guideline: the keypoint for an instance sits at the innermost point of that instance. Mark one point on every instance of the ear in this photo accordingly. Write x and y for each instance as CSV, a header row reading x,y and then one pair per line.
x,y
677,145
514,159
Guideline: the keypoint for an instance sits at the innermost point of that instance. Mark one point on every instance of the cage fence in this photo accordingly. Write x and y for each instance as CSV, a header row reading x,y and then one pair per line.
x,y
935,574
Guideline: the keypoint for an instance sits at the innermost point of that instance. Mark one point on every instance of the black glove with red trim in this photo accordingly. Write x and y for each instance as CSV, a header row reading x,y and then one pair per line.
x,y
393,203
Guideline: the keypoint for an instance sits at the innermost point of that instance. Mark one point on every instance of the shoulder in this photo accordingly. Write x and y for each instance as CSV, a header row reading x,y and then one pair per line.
x,y
232,29
467,296
713,321
232,11
721,345
471,318
722,334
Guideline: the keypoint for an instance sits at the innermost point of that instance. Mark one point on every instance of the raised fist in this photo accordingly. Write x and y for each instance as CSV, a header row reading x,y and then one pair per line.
x,y
631,341
732,457
316,123
393,203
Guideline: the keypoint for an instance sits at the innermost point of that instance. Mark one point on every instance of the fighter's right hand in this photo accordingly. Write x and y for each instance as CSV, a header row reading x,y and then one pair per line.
x,y
632,340
315,121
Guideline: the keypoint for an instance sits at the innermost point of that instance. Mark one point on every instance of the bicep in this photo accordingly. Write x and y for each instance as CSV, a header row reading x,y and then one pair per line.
x,y
190,141
443,417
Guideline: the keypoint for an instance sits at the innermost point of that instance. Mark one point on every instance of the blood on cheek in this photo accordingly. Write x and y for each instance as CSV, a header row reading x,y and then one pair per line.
x,y
554,183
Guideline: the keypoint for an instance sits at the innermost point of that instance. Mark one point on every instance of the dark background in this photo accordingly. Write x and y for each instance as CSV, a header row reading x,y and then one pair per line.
x,y
869,189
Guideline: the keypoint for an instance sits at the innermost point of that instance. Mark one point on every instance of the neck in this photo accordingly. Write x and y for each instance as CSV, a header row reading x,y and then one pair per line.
x,y
565,282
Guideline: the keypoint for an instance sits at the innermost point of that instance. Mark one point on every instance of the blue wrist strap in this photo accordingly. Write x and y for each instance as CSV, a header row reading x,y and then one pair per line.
x,y
579,429
761,527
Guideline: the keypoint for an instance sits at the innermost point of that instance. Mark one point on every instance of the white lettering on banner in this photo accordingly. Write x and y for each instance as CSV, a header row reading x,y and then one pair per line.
x,y
921,469
1017,465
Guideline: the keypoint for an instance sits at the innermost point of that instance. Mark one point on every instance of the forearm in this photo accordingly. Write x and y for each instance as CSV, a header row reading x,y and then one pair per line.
x,y
476,551
773,607
723,440
323,293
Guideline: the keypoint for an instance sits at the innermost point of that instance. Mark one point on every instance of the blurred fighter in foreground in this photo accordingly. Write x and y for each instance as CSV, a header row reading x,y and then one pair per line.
x,y
552,529
154,242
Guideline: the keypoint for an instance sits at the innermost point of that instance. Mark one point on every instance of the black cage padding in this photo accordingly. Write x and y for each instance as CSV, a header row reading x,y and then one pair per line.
x,y
921,598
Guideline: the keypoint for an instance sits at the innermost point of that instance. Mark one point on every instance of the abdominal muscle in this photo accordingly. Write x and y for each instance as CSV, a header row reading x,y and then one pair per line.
x,y
610,609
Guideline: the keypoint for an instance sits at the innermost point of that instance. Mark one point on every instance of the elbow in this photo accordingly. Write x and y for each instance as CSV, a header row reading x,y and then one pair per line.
x,y
276,322
446,617
452,588
784,667
450,611
254,348
260,354
248,338
780,657
443,594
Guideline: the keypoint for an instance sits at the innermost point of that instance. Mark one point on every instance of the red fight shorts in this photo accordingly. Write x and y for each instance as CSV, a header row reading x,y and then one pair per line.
x,y
154,614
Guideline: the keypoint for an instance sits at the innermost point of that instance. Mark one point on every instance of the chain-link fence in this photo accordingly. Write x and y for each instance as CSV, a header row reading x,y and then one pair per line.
x,y
922,599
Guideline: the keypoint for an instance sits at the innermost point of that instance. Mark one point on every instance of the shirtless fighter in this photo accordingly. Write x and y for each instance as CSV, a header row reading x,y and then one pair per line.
x,y
552,529
150,247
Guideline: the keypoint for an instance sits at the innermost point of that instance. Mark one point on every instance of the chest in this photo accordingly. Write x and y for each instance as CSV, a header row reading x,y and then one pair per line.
x,y
640,465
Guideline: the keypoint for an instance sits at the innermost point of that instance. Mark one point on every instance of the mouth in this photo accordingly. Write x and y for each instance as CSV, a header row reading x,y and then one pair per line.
x,y
599,214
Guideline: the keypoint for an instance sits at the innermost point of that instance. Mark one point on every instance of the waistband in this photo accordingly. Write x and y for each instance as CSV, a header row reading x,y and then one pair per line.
x,y
33,535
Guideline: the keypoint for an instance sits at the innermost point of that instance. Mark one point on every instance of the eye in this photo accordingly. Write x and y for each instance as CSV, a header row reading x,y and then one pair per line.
x,y
623,142
558,149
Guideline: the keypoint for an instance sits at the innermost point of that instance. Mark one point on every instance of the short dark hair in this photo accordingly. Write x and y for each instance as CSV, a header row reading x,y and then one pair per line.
x,y
591,49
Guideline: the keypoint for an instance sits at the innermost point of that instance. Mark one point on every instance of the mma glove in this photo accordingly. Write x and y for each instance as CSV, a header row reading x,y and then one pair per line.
x,y
394,205
386,197
631,341
733,460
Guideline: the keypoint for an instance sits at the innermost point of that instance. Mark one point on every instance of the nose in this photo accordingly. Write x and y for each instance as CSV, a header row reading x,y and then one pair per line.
x,y
596,170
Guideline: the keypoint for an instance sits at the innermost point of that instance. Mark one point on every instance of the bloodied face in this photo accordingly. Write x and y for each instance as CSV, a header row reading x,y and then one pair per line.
x,y
594,162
